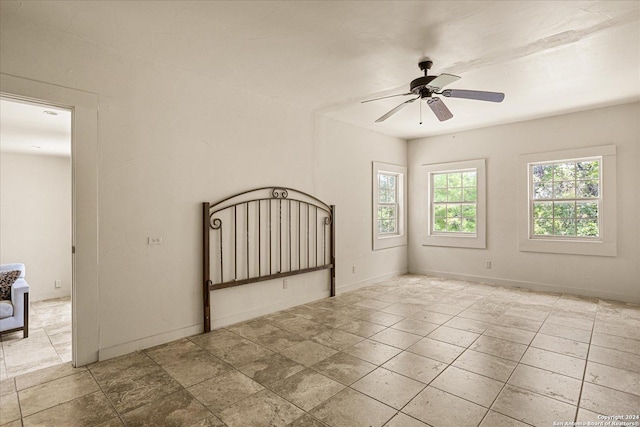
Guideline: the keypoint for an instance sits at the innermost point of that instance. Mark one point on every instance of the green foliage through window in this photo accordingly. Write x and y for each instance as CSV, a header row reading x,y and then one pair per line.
x,y
387,203
455,197
386,188
566,199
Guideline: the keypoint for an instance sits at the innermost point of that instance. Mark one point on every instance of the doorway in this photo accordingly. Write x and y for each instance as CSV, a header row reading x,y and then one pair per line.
x,y
85,333
35,225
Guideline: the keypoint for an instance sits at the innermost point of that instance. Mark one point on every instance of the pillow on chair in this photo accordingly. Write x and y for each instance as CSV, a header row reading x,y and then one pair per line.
x,y
7,279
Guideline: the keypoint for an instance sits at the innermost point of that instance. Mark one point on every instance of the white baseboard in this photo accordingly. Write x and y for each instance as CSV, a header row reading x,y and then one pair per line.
x,y
356,285
231,319
535,286
303,299
148,342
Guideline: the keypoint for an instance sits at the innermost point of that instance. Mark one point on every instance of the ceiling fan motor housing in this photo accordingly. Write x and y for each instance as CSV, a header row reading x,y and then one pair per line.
x,y
419,86
425,65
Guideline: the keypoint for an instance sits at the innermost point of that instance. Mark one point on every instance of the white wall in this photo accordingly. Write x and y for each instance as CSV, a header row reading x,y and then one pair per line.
x,y
610,277
169,140
345,156
342,165
35,220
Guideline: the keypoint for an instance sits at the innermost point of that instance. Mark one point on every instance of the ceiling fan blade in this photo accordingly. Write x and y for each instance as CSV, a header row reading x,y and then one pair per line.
x,y
395,110
439,109
385,97
442,80
474,94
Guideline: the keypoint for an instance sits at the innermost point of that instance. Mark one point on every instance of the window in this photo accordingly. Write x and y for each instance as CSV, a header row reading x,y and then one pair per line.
x,y
565,199
387,203
389,212
455,196
456,204
568,201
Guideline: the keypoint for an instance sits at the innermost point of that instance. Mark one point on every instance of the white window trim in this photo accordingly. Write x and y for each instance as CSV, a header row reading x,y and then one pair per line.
x,y
384,241
461,240
605,245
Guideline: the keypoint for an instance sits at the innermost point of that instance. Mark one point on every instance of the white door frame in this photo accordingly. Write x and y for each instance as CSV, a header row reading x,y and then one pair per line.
x,y
84,166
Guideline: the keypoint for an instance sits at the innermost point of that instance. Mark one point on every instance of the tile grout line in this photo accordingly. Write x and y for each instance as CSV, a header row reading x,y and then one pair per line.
x,y
268,388
3,361
440,373
586,363
377,366
448,364
621,351
51,343
15,384
519,362
38,310
528,346
516,367
61,403
186,389
349,386
108,400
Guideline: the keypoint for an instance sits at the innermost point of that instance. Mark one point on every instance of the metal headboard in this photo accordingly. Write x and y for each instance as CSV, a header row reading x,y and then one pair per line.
x,y
264,234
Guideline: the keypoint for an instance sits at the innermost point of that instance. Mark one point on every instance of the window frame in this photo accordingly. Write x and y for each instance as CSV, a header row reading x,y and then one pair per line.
x,y
433,203
605,243
475,240
394,205
399,238
532,200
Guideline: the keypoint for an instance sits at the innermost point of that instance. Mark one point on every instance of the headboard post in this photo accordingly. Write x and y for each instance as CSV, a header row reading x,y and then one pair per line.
x,y
333,250
206,309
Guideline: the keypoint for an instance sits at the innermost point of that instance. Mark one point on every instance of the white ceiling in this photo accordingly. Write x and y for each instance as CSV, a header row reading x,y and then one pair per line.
x,y
27,128
548,57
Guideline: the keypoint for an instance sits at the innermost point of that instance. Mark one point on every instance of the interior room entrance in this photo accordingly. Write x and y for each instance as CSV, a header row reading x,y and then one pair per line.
x,y
36,230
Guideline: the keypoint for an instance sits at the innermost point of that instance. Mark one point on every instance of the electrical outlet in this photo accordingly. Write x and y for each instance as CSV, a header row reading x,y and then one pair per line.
x,y
487,264
285,284
154,241
58,283
354,269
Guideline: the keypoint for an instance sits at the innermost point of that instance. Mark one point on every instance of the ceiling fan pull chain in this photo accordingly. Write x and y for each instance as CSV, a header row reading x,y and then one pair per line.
x,y
421,111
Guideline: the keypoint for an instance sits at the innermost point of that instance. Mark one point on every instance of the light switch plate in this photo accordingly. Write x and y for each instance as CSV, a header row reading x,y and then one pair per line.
x,y
154,241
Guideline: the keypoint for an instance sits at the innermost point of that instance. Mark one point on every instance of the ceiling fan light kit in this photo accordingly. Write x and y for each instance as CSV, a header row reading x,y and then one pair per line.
x,y
427,86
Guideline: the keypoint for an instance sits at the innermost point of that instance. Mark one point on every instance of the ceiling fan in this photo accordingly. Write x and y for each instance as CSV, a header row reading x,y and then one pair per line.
x,y
427,86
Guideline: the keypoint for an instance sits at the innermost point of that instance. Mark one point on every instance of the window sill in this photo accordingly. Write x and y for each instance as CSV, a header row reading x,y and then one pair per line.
x,y
385,242
456,241
595,248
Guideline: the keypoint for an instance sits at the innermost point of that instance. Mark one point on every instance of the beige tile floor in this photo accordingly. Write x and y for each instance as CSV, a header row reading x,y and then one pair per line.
x,y
48,344
412,351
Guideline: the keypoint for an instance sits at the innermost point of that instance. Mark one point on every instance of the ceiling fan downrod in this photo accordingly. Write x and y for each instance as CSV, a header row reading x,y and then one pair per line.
x,y
419,85
425,66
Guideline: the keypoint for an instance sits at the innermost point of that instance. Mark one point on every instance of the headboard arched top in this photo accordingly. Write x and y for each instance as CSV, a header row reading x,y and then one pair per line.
x,y
267,193
263,234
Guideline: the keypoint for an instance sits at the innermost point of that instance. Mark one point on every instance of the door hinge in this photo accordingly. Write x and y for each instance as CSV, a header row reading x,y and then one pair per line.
x,y
73,249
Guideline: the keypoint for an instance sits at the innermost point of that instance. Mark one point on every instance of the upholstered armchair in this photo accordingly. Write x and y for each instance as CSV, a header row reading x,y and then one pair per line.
x,y
14,314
